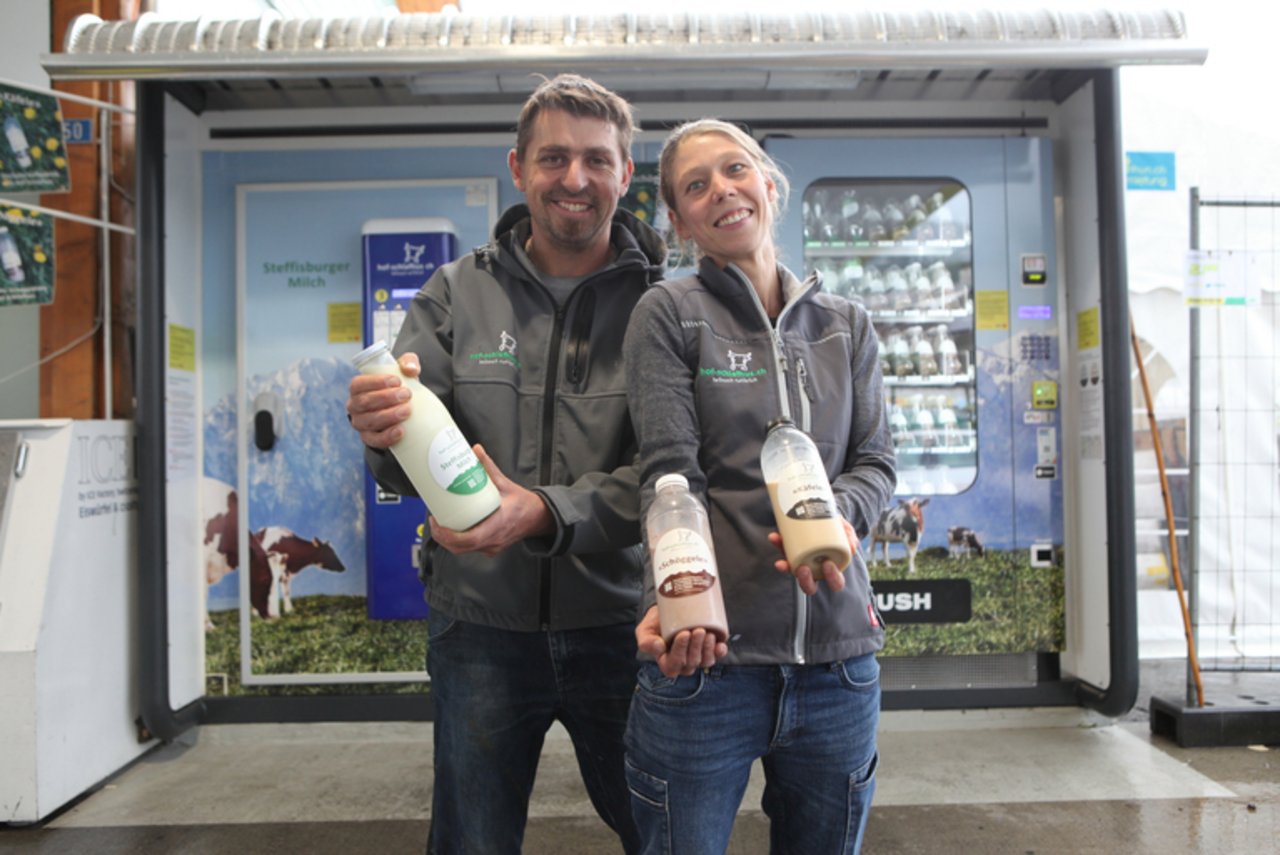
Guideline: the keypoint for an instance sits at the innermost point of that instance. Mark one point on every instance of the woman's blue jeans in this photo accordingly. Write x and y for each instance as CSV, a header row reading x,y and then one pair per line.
x,y
691,742
496,693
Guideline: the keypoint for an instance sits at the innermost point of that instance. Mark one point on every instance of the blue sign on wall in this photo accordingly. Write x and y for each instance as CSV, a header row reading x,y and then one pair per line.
x,y
77,131
1150,170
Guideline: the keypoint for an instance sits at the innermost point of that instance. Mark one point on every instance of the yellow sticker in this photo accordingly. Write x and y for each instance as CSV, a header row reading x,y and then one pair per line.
x,y
993,310
1088,329
344,323
381,295
182,348
1044,394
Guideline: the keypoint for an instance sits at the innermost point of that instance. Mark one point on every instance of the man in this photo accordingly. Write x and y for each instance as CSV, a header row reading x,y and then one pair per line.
x,y
532,610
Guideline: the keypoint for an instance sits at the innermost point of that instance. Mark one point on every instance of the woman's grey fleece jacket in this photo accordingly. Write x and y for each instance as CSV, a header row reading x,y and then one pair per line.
x,y
706,373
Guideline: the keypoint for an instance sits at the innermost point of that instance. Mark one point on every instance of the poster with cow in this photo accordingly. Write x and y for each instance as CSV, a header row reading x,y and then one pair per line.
x,y
283,507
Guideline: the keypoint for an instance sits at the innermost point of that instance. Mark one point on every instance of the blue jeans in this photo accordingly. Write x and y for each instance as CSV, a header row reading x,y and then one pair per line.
x,y
691,742
496,693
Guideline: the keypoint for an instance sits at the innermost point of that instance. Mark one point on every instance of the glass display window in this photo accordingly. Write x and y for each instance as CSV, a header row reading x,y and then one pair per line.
x,y
903,249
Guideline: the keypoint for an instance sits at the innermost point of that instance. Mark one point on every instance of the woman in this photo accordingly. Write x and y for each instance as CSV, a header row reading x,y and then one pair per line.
x,y
711,359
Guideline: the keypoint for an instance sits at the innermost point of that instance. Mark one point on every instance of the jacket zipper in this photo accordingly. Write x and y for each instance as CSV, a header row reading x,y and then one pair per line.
x,y
780,357
544,463
574,373
806,395
580,339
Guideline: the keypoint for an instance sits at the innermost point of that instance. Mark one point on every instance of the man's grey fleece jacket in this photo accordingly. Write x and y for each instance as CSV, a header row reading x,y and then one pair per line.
x,y
541,386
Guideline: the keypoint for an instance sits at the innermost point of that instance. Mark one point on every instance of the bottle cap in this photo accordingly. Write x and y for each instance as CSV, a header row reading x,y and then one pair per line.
x,y
373,350
779,422
673,478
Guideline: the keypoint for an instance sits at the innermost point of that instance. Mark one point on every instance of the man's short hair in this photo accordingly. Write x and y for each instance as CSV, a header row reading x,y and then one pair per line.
x,y
579,97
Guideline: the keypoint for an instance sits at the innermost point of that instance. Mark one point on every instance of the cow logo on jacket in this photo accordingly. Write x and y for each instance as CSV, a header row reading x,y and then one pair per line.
x,y
504,355
738,371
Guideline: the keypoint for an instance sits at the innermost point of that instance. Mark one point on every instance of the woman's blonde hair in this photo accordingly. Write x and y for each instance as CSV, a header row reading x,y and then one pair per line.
x,y
744,140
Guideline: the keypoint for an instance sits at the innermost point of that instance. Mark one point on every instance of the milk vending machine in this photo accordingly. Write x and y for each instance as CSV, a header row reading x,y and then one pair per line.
x,y
399,256
949,245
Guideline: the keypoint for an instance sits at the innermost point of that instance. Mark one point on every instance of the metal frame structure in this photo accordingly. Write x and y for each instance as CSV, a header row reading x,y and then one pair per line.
x,y
878,60
1218,723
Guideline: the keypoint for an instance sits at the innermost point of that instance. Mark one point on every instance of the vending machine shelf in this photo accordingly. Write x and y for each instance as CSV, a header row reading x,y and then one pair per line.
x,y
912,249
922,316
940,380
903,249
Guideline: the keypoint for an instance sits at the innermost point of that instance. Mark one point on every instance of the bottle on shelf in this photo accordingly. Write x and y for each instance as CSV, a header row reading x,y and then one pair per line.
x,y
873,292
899,292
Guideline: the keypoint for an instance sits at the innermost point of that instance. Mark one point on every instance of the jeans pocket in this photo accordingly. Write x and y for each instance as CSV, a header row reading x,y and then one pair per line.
x,y
859,673
864,777
649,808
439,625
653,685
651,791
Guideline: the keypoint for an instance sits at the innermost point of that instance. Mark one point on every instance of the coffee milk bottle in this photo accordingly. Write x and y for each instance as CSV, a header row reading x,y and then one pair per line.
x,y
803,505
684,562
433,452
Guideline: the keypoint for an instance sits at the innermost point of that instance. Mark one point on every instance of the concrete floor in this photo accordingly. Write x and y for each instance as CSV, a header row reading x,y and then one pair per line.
x,y
987,781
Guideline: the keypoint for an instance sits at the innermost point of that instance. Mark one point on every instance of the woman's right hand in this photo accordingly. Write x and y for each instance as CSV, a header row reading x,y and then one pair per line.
x,y
690,649
378,403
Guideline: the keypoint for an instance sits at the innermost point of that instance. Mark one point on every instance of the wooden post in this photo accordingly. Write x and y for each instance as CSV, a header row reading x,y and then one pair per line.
x,y
72,382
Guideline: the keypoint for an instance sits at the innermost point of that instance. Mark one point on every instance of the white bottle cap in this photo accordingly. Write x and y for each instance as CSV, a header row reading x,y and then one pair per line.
x,y
368,353
668,480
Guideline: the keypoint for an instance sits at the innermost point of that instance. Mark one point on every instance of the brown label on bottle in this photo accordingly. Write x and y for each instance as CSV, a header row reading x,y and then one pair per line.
x,y
810,509
686,583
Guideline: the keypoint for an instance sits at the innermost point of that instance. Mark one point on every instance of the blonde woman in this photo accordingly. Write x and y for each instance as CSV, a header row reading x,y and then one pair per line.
x,y
711,359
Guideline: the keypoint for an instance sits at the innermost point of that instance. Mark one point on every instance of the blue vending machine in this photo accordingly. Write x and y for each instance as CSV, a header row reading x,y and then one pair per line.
x,y
950,247
399,257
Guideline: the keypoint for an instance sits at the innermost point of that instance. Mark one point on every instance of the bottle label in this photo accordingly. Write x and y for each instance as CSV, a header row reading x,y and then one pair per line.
x,y
804,493
453,464
683,564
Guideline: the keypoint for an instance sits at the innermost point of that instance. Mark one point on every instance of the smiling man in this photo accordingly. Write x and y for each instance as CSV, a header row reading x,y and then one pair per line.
x,y
532,611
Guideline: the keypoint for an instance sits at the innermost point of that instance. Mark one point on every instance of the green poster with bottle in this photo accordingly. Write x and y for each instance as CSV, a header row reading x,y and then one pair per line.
x,y
32,148
26,258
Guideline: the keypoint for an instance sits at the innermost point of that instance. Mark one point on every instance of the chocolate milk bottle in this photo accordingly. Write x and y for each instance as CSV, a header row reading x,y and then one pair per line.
x,y
684,562
433,452
803,505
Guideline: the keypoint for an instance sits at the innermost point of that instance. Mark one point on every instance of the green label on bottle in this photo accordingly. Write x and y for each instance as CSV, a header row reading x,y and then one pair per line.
x,y
472,481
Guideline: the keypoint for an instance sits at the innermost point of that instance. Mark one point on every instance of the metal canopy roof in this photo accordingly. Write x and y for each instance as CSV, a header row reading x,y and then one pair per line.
x,y
405,59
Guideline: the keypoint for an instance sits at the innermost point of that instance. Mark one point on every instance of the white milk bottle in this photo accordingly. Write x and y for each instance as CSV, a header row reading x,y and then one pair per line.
x,y
684,562
803,505
433,452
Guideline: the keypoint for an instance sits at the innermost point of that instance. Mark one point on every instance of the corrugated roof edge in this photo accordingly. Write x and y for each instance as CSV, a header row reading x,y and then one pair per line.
x,y
282,48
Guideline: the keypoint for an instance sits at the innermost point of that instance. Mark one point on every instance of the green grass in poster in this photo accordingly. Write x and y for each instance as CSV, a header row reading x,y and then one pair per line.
x,y
323,635
1017,608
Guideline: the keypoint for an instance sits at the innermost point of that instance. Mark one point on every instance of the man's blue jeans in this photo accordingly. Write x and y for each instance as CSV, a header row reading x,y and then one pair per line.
x,y
496,693
691,742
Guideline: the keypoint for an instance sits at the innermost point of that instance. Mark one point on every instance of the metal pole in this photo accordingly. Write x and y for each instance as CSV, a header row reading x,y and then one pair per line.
x,y
104,212
1193,442
158,716
1119,696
